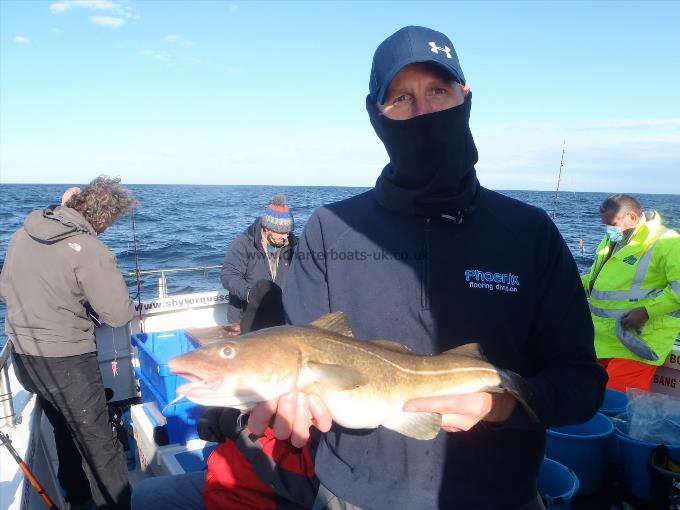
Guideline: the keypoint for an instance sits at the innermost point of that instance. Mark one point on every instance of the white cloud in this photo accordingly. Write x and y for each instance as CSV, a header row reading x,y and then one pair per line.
x,y
107,21
176,38
67,5
600,155
59,7
116,8
96,4
163,56
22,39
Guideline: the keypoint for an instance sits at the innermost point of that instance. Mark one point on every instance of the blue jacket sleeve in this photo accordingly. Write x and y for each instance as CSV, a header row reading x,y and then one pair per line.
x,y
569,386
305,296
235,267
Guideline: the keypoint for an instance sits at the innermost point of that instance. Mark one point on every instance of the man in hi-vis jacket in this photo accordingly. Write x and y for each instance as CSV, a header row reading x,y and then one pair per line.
x,y
634,291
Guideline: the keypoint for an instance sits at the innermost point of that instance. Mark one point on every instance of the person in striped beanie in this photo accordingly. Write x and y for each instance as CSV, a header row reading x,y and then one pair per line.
x,y
255,267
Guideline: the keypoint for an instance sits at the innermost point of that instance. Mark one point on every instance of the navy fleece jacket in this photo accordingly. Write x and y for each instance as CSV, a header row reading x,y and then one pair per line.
x,y
504,278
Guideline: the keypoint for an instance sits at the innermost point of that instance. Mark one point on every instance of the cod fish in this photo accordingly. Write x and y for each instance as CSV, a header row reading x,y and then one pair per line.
x,y
634,343
364,384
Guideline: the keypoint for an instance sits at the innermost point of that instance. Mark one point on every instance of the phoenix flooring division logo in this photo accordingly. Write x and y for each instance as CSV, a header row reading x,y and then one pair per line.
x,y
488,280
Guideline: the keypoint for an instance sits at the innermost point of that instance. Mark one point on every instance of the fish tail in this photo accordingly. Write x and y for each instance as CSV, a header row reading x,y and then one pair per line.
x,y
519,388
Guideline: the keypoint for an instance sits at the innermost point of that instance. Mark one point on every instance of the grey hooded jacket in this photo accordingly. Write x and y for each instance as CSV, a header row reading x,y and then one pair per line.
x,y
54,265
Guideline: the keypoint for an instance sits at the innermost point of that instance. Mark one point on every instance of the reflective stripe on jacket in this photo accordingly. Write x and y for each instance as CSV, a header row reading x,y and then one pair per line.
x,y
643,273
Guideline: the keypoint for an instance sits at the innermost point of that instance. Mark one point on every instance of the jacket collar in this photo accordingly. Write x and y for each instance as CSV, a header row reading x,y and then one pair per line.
x,y
642,236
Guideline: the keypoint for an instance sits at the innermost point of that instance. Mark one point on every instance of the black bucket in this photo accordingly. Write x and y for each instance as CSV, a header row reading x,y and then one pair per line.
x,y
664,478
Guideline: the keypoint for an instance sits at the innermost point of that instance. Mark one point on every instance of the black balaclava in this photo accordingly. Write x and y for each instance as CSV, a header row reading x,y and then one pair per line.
x,y
431,172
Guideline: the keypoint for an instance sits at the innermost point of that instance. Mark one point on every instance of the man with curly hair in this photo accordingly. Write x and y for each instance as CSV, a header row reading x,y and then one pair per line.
x,y
55,268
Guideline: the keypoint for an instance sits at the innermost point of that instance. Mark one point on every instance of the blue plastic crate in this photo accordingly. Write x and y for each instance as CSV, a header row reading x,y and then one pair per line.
x,y
181,417
155,350
195,460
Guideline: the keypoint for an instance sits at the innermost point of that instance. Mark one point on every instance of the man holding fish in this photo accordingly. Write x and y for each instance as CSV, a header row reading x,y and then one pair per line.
x,y
428,206
434,370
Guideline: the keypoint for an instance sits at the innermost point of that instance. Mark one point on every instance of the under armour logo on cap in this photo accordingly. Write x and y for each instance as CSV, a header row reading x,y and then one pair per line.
x,y
436,49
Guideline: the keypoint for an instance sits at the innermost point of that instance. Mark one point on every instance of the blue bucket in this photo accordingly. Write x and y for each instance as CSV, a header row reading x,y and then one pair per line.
x,y
583,448
635,455
557,484
614,402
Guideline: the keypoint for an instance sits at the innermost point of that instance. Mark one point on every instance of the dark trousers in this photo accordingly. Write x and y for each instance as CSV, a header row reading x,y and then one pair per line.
x,y
92,465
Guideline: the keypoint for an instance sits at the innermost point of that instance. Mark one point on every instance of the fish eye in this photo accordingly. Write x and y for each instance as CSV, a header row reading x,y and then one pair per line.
x,y
227,352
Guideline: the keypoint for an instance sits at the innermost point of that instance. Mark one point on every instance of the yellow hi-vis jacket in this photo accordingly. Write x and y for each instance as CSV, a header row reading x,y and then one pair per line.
x,y
643,273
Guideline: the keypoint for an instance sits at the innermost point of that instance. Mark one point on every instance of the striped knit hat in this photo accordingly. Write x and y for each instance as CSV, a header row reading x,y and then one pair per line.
x,y
278,217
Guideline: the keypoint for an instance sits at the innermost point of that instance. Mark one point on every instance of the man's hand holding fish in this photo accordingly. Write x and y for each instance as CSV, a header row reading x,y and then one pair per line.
x,y
293,413
462,412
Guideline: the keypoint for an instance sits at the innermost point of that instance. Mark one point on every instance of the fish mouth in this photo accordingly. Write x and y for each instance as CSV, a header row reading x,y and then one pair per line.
x,y
207,393
196,382
190,376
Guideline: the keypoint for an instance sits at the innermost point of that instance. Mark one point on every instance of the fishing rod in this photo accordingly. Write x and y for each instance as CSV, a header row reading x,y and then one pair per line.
x,y
137,273
27,471
559,179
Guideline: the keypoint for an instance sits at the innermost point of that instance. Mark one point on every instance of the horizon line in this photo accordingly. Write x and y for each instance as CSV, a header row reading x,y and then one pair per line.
x,y
322,186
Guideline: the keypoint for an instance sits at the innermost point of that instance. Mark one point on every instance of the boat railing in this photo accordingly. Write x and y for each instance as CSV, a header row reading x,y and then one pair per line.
x,y
162,278
7,415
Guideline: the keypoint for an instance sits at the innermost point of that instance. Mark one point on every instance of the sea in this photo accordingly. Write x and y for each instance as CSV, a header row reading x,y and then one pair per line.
x,y
181,226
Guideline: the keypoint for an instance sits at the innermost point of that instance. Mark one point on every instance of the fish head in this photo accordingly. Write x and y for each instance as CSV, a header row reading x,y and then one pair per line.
x,y
238,372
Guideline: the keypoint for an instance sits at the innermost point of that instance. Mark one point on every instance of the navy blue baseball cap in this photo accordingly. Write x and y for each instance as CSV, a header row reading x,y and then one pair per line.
x,y
409,46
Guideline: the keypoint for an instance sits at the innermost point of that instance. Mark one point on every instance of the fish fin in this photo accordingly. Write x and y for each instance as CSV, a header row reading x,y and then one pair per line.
x,y
336,322
519,388
473,350
336,376
391,345
416,425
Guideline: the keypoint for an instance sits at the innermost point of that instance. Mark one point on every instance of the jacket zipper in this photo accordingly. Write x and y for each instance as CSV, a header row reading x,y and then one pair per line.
x,y
426,268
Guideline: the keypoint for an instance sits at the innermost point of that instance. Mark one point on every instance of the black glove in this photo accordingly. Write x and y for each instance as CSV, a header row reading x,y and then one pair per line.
x,y
221,423
265,307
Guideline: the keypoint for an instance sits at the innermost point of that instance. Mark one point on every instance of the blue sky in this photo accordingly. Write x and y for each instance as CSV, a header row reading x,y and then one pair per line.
x,y
273,92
